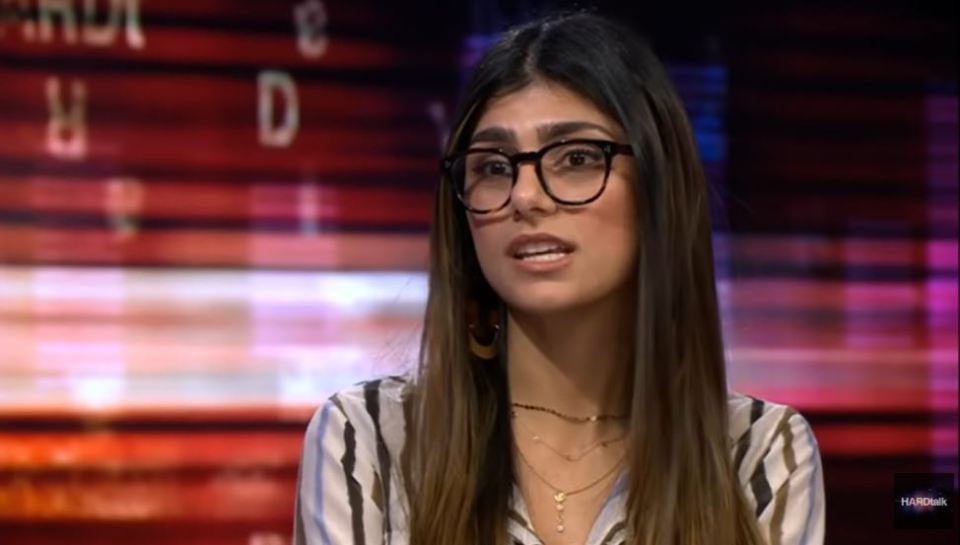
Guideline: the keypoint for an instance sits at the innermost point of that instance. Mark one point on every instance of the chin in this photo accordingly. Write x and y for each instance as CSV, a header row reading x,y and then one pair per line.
x,y
543,300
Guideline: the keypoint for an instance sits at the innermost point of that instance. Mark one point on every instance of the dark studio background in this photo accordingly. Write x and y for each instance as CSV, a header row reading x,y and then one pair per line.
x,y
186,270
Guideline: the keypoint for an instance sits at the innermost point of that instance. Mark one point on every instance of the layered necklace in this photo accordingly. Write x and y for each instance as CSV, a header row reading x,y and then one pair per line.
x,y
560,494
577,456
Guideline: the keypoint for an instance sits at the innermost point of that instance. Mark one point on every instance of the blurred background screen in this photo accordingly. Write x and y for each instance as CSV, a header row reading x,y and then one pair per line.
x,y
214,214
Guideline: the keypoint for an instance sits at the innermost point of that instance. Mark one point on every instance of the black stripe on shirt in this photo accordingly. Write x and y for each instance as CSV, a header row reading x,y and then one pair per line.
x,y
758,481
349,462
615,529
756,410
371,395
518,518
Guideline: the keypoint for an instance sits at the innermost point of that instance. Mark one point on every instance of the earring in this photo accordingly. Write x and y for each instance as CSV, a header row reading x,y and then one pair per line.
x,y
483,351
482,344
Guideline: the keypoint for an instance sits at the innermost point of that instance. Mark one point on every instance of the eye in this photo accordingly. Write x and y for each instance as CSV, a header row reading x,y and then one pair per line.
x,y
581,157
492,167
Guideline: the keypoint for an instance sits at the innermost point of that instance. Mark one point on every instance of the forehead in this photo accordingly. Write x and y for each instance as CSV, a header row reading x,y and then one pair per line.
x,y
542,103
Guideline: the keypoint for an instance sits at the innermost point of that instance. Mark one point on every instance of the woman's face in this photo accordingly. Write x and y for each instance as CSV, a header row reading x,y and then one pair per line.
x,y
599,238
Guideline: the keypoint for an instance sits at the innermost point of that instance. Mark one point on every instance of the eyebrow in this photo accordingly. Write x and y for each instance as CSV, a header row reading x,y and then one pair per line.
x,y
545,132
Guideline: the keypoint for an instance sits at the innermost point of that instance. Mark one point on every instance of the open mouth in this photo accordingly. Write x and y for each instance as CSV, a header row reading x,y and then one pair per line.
x,y
540,252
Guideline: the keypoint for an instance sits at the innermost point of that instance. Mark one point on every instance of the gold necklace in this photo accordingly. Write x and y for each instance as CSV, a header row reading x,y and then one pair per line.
x,y
578,419
559,495
569,457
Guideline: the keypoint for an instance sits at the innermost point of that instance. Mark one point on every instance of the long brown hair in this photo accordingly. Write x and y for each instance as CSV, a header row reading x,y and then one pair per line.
x,y
457,464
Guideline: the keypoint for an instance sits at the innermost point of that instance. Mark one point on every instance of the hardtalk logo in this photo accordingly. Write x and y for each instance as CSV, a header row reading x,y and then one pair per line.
x,y
923,502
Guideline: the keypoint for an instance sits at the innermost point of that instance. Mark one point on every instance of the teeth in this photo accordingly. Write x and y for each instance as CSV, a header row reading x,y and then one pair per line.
x,y
539,248
544,257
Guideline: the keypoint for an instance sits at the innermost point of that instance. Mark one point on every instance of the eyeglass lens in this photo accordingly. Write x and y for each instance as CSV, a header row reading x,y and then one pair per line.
x,y
572,172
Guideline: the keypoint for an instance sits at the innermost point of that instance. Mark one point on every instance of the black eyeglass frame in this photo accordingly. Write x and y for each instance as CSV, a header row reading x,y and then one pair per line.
x,y
609,148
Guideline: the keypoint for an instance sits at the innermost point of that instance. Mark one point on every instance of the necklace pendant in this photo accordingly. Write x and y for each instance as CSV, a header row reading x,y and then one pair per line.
x,y
560,497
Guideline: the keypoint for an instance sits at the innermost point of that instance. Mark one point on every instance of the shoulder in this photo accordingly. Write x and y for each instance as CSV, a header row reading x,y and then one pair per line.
x,y
369,398
347,483
366,415
757,423
777,459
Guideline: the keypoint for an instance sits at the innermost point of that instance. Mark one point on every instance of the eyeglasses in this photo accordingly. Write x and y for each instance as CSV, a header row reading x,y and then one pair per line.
x,y
571,172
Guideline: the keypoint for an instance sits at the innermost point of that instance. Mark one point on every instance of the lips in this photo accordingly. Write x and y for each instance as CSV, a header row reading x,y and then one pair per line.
x,y
526,246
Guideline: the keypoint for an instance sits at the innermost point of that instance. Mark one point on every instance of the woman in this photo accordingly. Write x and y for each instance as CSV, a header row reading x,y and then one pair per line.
x,y
571,386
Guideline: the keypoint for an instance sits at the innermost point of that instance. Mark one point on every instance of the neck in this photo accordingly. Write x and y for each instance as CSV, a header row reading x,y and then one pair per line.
x,y
576,361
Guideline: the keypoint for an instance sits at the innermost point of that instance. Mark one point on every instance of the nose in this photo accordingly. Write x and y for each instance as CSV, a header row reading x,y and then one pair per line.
x,y
528,194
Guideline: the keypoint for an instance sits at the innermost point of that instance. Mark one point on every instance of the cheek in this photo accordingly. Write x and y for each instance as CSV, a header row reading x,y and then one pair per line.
x,y
489,241
616,226
486,244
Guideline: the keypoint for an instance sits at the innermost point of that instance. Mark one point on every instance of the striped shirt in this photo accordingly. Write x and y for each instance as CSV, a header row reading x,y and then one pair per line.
x,y
349,491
